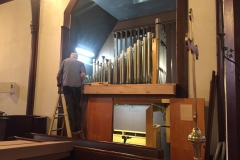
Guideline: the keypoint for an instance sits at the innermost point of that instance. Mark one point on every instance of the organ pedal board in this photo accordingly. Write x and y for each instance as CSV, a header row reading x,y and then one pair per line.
x,y
60,113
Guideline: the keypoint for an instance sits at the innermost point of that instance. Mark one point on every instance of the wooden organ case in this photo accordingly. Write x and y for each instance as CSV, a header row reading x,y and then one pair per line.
x,y
140,74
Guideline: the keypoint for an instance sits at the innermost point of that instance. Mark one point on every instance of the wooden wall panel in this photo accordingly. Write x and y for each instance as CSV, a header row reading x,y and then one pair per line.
x,y
180,147
100,119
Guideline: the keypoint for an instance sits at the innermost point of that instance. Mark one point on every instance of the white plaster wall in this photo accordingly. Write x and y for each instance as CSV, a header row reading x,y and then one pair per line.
x,y
15,50
51,20
204,32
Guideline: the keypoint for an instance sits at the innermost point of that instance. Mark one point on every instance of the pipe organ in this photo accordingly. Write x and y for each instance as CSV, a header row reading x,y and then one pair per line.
x,y
140,57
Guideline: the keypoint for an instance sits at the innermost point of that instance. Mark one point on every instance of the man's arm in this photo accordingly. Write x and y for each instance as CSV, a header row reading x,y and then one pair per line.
x,y
83,72
59,80
59,75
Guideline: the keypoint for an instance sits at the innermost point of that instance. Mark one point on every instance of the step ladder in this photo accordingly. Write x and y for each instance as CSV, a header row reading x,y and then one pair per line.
x,y
57,115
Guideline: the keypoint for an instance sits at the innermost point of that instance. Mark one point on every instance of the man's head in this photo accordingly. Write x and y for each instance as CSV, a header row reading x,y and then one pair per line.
x,y
74,55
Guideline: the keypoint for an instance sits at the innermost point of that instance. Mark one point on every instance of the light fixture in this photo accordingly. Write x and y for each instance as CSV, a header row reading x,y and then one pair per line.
x,y
84,59
84,52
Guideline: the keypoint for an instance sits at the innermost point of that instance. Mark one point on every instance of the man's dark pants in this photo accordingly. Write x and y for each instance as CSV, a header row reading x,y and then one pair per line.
x,y
73,96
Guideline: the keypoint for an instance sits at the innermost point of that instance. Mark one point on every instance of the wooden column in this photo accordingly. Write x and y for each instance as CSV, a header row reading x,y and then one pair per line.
x,y
65,36
35,5
65,30
182,54
220,73
232,40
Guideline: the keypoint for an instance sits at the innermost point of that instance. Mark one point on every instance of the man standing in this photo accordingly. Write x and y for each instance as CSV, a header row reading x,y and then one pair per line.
x,y
72,73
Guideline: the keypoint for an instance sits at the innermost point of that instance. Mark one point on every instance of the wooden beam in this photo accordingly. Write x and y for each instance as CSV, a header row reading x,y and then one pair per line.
x,y
67,13
147,101
35,6
4,1
220,73
232,41
164,89
182,54
65,30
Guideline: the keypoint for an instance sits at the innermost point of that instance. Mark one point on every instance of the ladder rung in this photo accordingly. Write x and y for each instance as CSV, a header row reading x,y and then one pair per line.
x,y
60,114
56,129
59,117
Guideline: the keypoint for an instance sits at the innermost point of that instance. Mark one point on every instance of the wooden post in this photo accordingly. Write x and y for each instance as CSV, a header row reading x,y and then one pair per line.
x,y
35,6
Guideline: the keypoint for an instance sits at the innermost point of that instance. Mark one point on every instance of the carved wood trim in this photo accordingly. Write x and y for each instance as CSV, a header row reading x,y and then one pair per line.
x,y
35,6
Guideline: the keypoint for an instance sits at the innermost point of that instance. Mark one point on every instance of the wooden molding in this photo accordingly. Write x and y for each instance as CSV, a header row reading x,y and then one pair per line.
x,y
161,89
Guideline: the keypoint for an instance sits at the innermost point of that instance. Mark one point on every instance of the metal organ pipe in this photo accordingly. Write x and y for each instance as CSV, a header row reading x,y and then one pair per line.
x,y
149,45
144,51
138,61
94,69
97,71
135,63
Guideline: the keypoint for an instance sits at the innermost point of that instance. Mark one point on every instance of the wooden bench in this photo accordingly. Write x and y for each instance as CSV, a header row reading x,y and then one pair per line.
x,y
108,146
19,125
86,153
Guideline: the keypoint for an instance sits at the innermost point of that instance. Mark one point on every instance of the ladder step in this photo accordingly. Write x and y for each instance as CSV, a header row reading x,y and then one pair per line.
x,y
58,129
60,114
58,117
